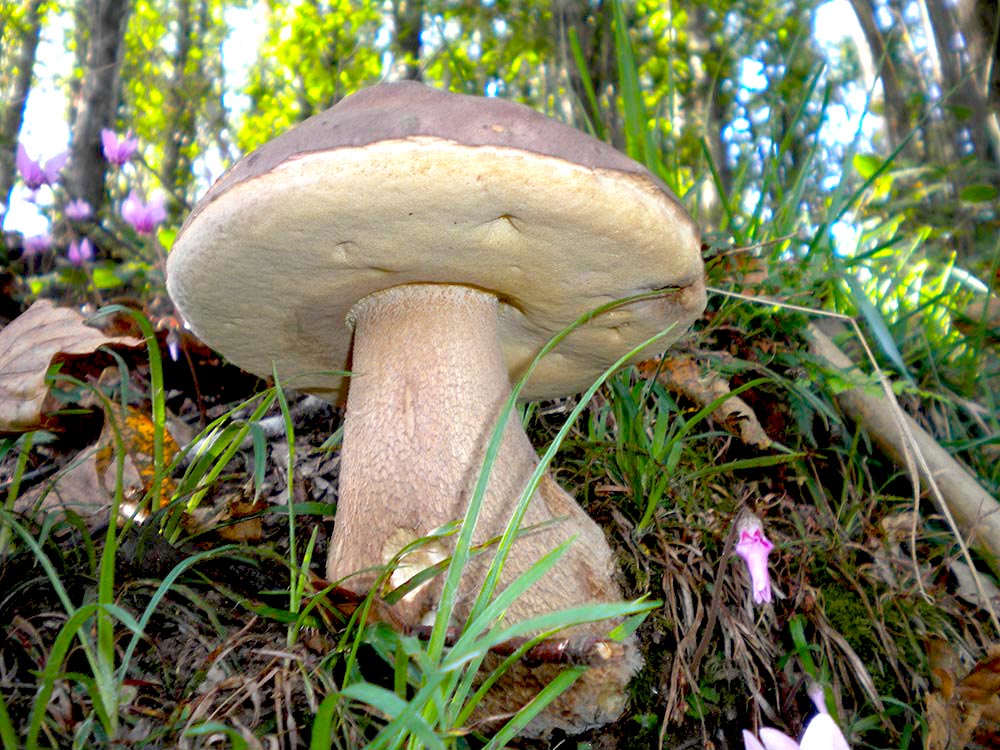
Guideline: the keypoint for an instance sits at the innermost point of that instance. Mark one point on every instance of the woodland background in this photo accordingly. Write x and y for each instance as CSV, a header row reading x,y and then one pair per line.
x,y
724,79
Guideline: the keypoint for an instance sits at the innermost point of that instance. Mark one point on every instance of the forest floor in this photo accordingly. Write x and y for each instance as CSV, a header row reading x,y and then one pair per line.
x,y
214,638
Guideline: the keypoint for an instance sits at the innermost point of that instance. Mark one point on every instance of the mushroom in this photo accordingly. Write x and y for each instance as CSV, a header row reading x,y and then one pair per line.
x,y
431,243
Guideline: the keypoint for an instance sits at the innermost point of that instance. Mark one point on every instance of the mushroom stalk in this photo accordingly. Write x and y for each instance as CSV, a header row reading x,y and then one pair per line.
x,y
429,382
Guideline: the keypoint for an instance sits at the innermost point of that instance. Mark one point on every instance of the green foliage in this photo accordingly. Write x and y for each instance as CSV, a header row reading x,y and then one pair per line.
x,y
313,55
506,45
173,86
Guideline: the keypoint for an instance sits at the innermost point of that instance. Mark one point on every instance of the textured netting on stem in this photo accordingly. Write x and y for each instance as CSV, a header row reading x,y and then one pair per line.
x,y
431,244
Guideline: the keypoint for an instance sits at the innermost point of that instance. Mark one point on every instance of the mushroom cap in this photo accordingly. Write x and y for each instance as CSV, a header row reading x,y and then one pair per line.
x,y
404,184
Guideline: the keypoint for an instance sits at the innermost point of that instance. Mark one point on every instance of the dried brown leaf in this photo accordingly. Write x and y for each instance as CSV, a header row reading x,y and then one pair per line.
x,y
76,488
944,729
29,346
963,713
982,684
239,521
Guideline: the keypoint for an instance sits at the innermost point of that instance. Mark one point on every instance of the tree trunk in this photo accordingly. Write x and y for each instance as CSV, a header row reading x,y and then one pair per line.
x,y
897,113
710,105
958,77
99,97
25,41
980,24
176,164
408,16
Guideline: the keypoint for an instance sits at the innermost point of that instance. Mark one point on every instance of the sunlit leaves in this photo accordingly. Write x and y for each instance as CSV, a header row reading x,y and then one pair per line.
x,y
173,79
867,164
979,193
314,54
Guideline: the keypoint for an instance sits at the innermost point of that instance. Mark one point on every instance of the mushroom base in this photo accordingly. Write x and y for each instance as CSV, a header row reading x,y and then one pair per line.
x,y
429,382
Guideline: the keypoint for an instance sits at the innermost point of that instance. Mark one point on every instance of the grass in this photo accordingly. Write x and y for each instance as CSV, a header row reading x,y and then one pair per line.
x,y
237,642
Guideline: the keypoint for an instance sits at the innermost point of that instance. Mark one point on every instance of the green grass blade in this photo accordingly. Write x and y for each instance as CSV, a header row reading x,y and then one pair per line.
x,y
562,682
878,327
236,739
637,141
161,591
596,125
546,459
157,392
74,627
322,725
8,736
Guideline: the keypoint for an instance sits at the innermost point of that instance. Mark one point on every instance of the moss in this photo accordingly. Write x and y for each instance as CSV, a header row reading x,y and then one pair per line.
x,y
657,653
849,617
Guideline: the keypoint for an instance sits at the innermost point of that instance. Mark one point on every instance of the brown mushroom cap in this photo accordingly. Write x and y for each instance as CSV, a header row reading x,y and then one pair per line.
x,y
401,184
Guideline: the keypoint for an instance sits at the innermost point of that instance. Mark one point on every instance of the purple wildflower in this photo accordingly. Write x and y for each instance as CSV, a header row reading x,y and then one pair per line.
x,y
143,216
36,245
78,210
822,733
818,696
33,173
80,252
754,547
118,150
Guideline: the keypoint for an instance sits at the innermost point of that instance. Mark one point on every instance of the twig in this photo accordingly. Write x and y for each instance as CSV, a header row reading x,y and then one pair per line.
x,y
965,504
681,374
713,607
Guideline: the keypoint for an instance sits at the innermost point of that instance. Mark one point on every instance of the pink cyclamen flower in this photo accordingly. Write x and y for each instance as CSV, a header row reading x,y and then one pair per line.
x,y
78,210
36,245
118,150
822,733
33,173
143,216
753,547
80,252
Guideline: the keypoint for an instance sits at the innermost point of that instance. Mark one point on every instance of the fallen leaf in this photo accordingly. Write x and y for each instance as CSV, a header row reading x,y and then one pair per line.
x,y
239,520
963,714
75,488
44,335
967,588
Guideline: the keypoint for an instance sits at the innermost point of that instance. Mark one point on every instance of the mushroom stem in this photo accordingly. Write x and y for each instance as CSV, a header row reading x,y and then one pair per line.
x,y
429,382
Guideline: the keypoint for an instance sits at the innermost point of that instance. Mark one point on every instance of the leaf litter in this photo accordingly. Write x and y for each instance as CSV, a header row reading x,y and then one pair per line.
x,y
45,335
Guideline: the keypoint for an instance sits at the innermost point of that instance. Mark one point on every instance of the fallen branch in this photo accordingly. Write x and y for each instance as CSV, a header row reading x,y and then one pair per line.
x,y
976,512
682,374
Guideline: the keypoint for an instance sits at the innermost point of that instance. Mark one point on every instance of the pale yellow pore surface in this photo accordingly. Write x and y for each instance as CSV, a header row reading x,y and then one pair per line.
x,y
268,271
429,383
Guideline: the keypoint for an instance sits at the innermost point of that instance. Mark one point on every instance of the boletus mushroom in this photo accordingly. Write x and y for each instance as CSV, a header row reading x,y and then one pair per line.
x,y
431,243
